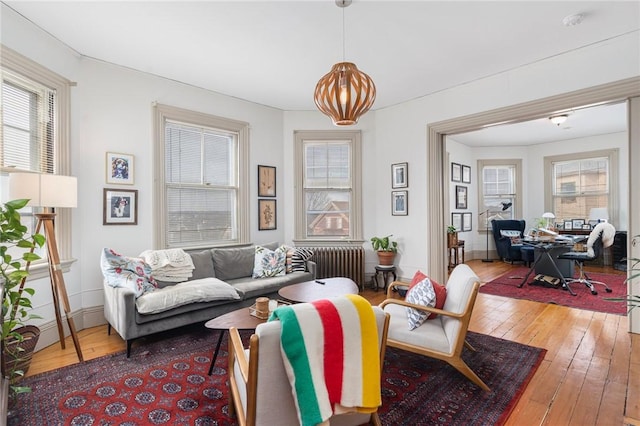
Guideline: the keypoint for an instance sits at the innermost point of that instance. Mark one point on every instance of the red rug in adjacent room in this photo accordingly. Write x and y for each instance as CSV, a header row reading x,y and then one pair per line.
x,y
165,382
507,285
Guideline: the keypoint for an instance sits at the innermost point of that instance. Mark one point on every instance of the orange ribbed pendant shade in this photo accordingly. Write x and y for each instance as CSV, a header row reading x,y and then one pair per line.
x,y
345,94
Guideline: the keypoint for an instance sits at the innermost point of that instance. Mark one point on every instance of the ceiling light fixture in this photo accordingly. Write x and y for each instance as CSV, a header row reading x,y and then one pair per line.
x,y
558,119
571,20
345,93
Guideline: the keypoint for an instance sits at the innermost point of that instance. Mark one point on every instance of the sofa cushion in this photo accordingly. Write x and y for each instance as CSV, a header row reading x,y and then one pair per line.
x,y
202,290
203,263
269,263
128,272
235,262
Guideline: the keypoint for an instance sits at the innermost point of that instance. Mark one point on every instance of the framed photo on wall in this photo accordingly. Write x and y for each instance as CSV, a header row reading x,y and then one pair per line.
x,y
456,220
577,223
466,222
466,174
400,175
399,203
266,181
120,206
461,197
119,168
267,215
456,172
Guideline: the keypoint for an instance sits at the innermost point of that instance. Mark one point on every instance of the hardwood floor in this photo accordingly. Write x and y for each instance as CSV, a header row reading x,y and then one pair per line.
x,y
590,372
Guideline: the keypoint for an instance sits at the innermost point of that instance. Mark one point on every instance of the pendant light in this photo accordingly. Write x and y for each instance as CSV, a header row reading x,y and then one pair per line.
x,y
345,93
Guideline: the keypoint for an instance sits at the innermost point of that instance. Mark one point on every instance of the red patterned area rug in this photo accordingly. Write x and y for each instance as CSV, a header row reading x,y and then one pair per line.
x,y
507,285
165,382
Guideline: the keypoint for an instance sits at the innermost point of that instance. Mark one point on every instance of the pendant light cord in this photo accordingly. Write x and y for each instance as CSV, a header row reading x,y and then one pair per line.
x,y
343,36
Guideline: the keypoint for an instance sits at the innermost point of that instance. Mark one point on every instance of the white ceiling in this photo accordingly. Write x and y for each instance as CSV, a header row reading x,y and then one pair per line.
x,y
274,52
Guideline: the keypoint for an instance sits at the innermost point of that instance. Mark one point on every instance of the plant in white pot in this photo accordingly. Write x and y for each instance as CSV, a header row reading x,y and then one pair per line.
x,y
386,249
16,252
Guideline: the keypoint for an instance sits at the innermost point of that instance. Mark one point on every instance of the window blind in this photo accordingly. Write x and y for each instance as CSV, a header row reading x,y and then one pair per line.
x,y
201,182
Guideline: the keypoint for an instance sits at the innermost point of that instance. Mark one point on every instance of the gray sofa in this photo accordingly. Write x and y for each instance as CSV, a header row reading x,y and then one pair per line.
x,y
231,265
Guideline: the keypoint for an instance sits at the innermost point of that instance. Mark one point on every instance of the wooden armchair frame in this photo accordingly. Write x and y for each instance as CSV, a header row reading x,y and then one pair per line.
x,y
453,357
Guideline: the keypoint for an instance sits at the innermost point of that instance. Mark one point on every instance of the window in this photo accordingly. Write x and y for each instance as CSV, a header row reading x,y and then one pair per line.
x,y
580,182
34,137
501,184
328,203
201,179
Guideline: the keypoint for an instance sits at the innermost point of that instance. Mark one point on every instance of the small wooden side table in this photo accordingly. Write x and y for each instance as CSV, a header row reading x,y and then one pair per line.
x,y
456,254
385,271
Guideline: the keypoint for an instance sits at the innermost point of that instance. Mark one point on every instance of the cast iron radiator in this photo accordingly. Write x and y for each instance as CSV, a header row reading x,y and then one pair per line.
x,y
339,262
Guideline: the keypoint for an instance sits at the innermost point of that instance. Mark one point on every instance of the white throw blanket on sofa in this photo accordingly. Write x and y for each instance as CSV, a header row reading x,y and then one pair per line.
x,y
174,265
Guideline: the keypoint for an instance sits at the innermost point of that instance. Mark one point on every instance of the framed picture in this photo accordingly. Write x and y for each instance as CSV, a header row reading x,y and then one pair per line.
x,y
568,225
577,223
267,215
456,220
586,227
466,222
119,168
461,197
399,203
466,174
120,206
456,172
266,181
400,175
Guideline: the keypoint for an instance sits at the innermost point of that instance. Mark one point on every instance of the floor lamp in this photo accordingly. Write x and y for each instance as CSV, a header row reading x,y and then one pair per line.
x,y
505,206
50,191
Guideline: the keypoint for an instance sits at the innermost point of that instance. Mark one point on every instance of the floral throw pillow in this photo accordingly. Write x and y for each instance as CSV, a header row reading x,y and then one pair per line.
x,y
269,263
423,294
128,272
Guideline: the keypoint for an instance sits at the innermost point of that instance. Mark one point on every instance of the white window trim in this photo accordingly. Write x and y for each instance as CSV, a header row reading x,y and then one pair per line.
x,y
517,208
355,136
611,154
62,165
162,113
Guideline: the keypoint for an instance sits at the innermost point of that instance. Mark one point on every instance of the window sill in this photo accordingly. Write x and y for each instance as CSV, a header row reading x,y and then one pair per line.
x,y
41,269
328,243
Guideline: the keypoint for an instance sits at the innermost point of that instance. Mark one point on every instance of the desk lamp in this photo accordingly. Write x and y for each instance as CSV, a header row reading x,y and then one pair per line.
x,y
548,216
50,191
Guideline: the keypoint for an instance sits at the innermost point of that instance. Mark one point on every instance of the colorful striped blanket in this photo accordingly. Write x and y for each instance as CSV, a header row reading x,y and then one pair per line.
x,y
331,354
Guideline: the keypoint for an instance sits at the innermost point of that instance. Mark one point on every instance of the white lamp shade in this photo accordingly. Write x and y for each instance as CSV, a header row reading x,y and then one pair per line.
x,y
549,215
44,190
600,214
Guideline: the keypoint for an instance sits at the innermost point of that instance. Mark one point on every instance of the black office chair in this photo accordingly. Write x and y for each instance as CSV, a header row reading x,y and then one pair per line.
x,y
601,237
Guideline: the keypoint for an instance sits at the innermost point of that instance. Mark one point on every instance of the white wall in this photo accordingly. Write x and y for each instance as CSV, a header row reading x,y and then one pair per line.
x,y
111,111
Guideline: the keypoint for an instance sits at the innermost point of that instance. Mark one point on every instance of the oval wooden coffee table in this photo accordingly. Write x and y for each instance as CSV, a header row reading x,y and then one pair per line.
x,y
240,319
310,291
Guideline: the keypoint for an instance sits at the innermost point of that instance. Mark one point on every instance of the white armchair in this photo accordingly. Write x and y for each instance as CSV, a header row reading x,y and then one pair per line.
x,y
443,337
260,392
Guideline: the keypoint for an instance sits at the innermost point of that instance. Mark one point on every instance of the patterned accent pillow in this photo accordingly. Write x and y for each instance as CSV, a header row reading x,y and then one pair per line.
x,y
441,291
299,258
128,272
420,294
269,263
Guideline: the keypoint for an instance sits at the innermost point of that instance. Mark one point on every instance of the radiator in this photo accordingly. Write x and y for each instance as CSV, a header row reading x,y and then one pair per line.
x,y
339,262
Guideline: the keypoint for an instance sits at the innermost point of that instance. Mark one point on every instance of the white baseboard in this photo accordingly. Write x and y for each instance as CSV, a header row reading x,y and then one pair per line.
x,y
84,318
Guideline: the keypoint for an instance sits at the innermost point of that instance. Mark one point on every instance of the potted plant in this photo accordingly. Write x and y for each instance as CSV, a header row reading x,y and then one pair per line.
x,y
18,339
452,236
385,248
